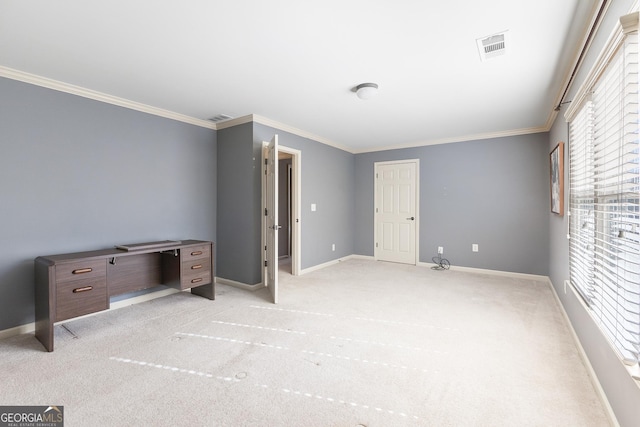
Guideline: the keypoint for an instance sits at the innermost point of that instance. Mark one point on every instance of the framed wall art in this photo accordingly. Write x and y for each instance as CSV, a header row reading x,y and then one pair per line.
x,y
556,163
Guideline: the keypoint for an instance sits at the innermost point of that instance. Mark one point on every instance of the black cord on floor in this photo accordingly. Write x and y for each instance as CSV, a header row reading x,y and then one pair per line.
x,y
440,263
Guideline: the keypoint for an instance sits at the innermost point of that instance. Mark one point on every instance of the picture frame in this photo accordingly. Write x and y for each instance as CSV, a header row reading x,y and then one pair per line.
x,y
556,166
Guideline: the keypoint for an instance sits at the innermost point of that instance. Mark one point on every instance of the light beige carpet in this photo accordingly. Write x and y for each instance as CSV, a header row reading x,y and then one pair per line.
x,y
360,343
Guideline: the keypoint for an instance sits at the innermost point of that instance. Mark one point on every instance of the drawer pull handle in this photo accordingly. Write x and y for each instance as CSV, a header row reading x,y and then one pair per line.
x,y
82,270
194,253
196,267
83,289
199,279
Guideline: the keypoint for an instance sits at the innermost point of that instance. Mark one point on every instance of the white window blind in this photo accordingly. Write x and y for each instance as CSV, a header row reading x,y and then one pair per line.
x,y
604,250
581,203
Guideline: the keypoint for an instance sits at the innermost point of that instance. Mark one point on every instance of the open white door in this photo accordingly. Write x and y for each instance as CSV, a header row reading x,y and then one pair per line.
x,y
272,218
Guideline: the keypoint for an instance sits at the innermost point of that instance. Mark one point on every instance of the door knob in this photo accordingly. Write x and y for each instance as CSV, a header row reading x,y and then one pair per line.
x,y
412,218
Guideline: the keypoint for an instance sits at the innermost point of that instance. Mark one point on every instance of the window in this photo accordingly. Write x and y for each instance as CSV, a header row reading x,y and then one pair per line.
x,y
604,200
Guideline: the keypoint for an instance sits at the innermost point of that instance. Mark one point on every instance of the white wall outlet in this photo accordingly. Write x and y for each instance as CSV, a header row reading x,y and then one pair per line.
x,y
313,207
440,250
474,247
333,247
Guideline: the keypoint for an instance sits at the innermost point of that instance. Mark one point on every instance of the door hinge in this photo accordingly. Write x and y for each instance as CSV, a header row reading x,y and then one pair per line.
x,y
376,244
266,161
265,263
376,210
265,212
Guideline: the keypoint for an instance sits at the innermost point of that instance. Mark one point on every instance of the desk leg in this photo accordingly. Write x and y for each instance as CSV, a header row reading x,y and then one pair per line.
x,y
44,334
207,291
44,302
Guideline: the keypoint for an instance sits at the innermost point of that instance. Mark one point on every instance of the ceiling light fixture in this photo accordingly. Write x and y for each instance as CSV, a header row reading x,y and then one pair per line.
x,y
366,90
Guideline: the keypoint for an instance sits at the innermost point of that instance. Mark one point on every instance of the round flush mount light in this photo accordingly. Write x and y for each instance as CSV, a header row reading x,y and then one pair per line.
x,y
366,90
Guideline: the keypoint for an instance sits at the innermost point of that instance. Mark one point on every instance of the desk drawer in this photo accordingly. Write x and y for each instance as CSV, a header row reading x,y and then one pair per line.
x,y
81,270
195,252
80,297
194,281
197,266
195,273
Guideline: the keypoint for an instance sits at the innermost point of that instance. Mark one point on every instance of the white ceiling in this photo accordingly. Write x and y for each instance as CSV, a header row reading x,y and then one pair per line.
x,y
296,62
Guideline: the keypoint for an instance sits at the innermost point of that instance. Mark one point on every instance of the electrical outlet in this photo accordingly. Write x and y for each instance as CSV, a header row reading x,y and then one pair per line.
x,y
474,247
333,247
440,250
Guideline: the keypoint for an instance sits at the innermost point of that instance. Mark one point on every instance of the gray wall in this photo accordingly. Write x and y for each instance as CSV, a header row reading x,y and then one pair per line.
x,y
328,181
238,221
622,391
77,174
491,192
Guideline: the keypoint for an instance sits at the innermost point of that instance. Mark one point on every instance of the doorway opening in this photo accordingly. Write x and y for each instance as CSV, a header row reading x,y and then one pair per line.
x,y
289,210
287,199
285,211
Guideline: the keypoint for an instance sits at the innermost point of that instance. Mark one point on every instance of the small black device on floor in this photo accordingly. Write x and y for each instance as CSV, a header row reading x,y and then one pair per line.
x,y
440,263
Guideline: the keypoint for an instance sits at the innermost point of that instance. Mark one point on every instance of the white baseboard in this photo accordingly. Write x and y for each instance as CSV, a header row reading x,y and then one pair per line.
x,y
31,327
367,257
239,285
428,264
583,355
491,272
141,298
330,263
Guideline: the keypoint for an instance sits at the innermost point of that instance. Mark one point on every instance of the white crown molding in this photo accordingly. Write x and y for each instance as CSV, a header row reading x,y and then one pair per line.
x,y
234,122
99,96
465,138
125,103
552,118
286,128
280,126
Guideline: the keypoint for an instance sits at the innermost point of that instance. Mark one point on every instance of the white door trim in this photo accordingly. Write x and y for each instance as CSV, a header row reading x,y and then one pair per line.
x,y
417,200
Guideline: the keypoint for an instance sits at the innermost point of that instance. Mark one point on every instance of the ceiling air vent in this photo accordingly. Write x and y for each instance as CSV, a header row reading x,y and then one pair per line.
x,y
493,46
219,118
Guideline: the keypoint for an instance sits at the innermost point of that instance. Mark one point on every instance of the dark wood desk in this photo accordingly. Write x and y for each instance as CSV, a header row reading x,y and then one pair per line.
x,y
72,285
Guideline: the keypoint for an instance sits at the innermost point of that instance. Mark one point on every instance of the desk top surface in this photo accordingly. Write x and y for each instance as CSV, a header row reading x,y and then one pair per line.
x,y
134,249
